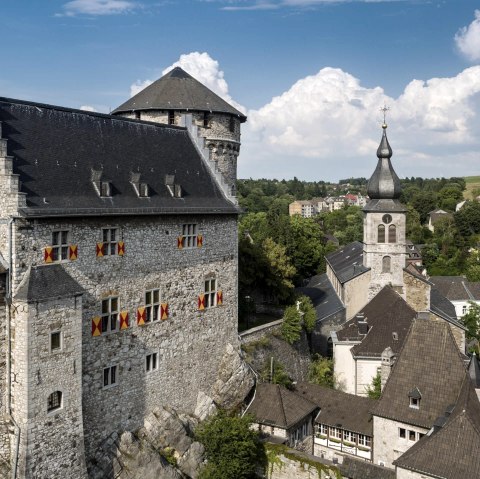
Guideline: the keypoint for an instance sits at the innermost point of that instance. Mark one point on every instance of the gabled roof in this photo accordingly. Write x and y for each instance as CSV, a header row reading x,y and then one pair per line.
x,y
56,150
340,409
347,262
275,405
177,90
451,451
47,282
385,314
323,296
443,308
431,361
456,288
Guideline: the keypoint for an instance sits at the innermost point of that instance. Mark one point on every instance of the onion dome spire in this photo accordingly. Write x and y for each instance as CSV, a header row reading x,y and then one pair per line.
x,y
384,183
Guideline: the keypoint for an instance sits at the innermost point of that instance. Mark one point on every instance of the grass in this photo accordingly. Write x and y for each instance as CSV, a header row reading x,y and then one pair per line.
x,y
473,183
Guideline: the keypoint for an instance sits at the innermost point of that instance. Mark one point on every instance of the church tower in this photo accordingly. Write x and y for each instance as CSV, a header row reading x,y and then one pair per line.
x,y
384,225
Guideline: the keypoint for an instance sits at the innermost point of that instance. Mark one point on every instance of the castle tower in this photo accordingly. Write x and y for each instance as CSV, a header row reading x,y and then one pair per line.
x,y
384,225
177,94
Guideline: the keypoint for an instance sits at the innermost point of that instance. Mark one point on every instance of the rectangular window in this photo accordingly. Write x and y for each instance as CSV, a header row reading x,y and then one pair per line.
x,y
60,245
54,401
349,436
152,305
189,233
402,433
110,240
364,440
171,117
411,435
55,341
206,119
335,432
210,293
109,376
105,189
109,314
151,362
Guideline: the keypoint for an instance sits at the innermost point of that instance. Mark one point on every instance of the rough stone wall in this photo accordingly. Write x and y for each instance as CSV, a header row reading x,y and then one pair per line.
x,y
417,292
323,331
254,334
38,372
3,345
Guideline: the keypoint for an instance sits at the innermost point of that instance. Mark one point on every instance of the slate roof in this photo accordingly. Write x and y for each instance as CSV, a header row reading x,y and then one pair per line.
x,y
431,361
361,469
386,313
456,288
453,450
347,263
336,407
442,307
47,282
386,206
275,405
55,150
323,296
177,90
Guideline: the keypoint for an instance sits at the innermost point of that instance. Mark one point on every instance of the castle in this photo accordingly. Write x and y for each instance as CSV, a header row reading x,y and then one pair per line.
x,y
118,267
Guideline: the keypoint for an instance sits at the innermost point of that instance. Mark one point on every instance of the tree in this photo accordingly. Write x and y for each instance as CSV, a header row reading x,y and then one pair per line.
x,y
233,449
471,319
424,202
274,372
374,391
320,371
309,313
291,325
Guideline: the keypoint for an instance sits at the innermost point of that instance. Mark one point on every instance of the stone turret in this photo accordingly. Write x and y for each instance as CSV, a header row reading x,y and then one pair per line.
x,y
384,224
210,119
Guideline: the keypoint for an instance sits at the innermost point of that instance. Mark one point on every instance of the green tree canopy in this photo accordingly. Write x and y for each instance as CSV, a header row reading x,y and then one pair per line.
x,y
291,325
320,371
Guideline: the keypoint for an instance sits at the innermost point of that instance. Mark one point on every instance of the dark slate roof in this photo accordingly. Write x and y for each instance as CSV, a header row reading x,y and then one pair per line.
x,y
386,206
55,150
442,307
177,90
385,314
384,184
456,288
361,469
47,282
336,407
347,263
451,451
277,406
323,296
431,361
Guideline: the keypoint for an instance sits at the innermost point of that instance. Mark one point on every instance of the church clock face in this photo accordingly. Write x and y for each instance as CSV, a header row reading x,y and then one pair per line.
x,y
386,219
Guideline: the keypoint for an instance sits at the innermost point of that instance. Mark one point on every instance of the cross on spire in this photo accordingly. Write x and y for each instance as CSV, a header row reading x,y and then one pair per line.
x,y
384,110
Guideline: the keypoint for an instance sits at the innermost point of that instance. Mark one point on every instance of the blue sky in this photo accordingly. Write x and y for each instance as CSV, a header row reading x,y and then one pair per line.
x,y
310,74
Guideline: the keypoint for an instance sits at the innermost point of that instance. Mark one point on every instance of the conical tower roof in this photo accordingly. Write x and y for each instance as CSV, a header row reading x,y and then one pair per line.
x,y
177,90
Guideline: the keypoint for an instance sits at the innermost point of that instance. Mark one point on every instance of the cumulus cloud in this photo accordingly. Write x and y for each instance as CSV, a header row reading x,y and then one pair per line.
x,y
138,86
468,39
88,108
98,7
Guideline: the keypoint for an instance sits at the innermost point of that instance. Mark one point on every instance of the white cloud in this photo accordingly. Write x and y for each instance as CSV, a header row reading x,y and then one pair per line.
x,y
276,4
138,86
98,7
468,39
87,108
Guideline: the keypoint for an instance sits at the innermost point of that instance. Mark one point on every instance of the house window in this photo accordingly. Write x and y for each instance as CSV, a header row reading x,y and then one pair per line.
x,y
109,314
335,432
411,435
349,436
171,117
386,264
152,305
464,309
137,115
60,245
105,189
392,234
109,376
110,240
210,293
151,362
415,403
365,441
205,119
55,341
189,233
381,233
321,430
54,401
402,433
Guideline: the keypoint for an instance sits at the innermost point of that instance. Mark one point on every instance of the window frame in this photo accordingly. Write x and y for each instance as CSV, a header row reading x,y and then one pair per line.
x,y
189,235
386,264
364,440
410,434
402,433
54,402
414,403
110,239
392,234
61,246
210,294
151,362
60,341
110,376
152,306
109,315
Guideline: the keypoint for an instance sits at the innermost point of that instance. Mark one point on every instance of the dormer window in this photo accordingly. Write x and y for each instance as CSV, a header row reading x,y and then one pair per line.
x,y
105,189
143,190
414,397
102,186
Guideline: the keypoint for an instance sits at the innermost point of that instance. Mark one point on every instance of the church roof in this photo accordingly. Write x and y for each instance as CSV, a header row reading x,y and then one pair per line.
x,y
177,90
443,307
430,361
47,282
347,262
388,318
450,451
57,150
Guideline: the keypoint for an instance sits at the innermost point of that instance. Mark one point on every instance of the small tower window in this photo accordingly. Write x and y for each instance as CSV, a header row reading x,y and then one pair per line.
x,y
231,125
381,233
386,264
171,117
392,234
137,115
206,119
54,401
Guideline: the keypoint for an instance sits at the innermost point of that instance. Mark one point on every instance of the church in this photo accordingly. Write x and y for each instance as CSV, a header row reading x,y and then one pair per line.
x,y
118,268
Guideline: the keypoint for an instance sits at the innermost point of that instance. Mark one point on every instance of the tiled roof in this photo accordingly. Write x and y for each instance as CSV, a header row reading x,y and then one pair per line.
x,y
457,288
177,90
336,407
277,406
442,307
430,361
323,296
47,282
361,469
55,151
386,313
451,451
347,263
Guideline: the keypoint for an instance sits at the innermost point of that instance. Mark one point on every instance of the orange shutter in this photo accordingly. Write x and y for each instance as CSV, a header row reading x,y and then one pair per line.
x,y
199,241
201,302
219,298
164,311
48,254
180,242
141,315
96,330
121,248
99,250
124,320
72,252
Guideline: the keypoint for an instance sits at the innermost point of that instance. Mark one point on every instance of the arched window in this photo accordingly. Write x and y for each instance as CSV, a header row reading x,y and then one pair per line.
x,y
392,234
54,401
386,264
381,233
